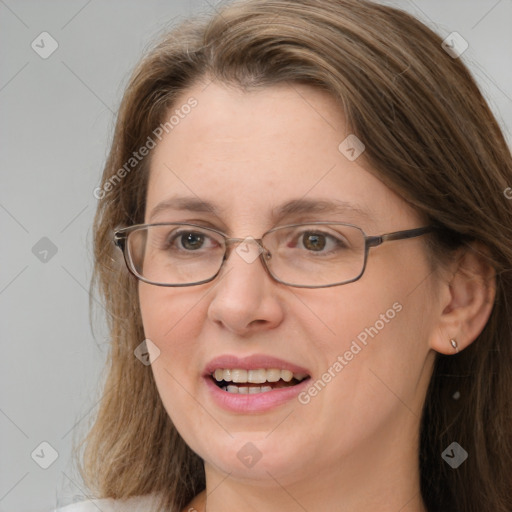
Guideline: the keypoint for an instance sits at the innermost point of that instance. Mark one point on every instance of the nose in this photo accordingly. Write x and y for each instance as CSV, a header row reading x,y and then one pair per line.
x,y
245,298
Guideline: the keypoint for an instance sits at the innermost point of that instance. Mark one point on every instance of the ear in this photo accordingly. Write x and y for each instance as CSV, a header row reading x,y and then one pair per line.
x,y
467,300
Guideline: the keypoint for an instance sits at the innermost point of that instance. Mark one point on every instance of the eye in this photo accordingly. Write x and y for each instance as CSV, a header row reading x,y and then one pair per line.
x,y
191,241
188,240
313,241
318,241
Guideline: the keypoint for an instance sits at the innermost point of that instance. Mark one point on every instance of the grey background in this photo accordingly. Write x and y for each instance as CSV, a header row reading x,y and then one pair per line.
x,y
56,122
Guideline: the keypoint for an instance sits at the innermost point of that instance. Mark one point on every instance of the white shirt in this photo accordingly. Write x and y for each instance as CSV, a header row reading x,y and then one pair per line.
x,y
146,503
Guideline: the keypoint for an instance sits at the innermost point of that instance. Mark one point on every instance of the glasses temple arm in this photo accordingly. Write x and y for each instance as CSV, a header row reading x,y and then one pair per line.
x,y
373,241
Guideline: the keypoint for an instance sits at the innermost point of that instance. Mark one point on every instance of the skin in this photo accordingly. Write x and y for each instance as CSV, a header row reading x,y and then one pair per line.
x,y
354,446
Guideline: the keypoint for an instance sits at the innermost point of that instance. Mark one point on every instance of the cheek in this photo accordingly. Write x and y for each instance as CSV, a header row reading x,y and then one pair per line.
x,y
172,320
375,334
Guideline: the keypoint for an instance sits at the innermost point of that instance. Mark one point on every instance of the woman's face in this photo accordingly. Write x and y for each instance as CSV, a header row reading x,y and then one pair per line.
x,y
364,344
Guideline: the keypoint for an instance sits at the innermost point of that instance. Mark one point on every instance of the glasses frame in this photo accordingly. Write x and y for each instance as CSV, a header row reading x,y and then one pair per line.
x,y
121,235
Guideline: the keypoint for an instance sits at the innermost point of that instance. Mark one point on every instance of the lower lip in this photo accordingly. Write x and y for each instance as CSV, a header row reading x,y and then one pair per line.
x,y
257,402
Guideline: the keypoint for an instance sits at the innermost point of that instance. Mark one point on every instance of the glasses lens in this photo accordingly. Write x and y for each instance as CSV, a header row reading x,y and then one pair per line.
x,y
316,255
175,254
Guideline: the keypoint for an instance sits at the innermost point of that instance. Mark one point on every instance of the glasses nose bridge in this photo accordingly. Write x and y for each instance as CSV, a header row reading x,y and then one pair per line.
x,y
231,242
263,255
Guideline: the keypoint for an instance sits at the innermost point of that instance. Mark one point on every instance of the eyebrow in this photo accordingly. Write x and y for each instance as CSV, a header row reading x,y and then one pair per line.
x,y
290,208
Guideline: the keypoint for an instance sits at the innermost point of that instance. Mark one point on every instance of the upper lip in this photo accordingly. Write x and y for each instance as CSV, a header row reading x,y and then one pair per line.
x,y
253,362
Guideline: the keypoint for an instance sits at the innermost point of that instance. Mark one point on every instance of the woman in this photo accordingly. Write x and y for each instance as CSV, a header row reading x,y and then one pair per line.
x,y
312,311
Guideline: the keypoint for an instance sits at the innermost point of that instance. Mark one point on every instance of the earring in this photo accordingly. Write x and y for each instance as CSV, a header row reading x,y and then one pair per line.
x,y
454,345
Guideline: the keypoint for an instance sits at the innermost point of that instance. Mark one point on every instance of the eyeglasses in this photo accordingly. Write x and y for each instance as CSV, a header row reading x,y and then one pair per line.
x,y
313,255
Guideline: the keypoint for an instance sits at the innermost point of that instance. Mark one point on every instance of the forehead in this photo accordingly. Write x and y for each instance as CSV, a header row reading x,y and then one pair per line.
x,y
252,154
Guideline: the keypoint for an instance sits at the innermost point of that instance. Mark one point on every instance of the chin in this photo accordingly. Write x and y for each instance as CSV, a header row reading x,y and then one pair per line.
x,y
257,456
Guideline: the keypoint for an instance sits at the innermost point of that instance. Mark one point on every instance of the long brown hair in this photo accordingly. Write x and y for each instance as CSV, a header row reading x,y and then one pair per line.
x,y
429,135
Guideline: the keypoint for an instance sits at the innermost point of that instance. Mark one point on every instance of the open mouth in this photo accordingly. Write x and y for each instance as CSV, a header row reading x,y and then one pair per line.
x,y
235,380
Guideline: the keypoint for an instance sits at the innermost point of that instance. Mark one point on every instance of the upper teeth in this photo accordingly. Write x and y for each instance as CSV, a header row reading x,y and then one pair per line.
x,y
256,376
